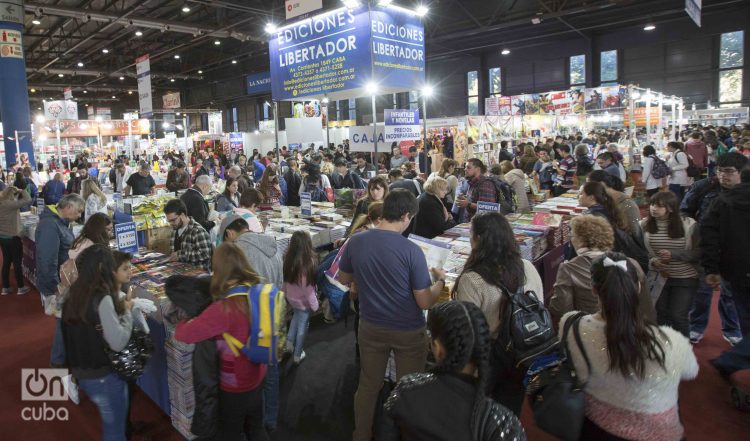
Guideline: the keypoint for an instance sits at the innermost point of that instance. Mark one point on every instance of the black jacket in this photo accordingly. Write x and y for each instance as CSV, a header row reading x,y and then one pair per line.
x,y
725,237
197,207
417,411
430,220
293,182
192,295
350,180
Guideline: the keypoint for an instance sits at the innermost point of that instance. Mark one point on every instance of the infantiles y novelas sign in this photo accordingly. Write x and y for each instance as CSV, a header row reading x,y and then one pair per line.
x,y
402,125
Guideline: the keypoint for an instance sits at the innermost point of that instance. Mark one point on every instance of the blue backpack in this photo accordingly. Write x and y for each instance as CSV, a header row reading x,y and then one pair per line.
x,y
317,194
266,310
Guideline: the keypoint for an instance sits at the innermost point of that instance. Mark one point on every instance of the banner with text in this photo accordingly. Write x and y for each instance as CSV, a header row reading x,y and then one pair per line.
x,y
295,8
258,83
398,53
171,100
362,139
402,125
143,72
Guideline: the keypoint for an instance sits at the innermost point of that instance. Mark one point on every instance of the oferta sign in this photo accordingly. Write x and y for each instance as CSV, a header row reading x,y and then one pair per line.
x,y
338,52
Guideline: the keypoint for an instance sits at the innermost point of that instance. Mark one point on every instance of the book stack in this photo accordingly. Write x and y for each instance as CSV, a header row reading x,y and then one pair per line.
x,y
180,379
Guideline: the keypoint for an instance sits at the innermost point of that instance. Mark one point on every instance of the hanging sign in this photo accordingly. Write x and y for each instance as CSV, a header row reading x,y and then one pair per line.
x,y
143,72
11,11
68,93
402,125
305,204
362,139
214,123
397,43
295,8
127,238
258,83
487,207
693,9
171,100
60,109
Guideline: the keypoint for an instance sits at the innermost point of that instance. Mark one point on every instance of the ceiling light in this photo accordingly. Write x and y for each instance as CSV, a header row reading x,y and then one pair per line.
x,y
33,90
130,92
87,104
122,78
138,33
234,61
165,125
39,108
176,57
421,10
60,75
427,91
371,88
217,42
505,51
85,91
80,64
649,27
186,8
36,22
105,51
114,97
270,28
200,72
171,79
40,119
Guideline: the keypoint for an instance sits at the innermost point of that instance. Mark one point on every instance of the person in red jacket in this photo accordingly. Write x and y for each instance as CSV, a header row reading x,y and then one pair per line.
x,y
240,383
696,148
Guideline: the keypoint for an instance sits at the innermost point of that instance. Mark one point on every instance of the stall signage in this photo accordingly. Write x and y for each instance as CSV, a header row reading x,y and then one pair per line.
x,y
362,139
295,8
487,207
258,83
143,73
127,238
305,203
11,11
68,93
104,112
398,53
60,109
402,125
171,100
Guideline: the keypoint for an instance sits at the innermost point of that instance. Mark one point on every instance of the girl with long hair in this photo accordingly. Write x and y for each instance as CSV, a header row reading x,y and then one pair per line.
x,y
377,190
230,198
240,380
635,367
300,267
528,159
96,201
616,191
249,203
272,187
96,230
94,318
594,197
673,244
460,342
678,163
493,271
12,200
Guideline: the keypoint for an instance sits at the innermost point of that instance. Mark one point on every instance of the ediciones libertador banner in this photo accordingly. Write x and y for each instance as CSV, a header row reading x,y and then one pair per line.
x,y
341,50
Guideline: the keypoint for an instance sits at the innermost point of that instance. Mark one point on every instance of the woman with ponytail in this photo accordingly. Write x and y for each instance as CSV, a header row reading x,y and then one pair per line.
x,y
417,410
494,270
636,367
594,196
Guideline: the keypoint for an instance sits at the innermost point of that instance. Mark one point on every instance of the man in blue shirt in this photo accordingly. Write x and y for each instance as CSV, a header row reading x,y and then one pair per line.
x,y
394,287
606,162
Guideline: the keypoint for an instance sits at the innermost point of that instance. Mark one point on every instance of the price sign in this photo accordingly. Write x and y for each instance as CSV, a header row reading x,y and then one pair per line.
x,y
487,207
305,204
127,238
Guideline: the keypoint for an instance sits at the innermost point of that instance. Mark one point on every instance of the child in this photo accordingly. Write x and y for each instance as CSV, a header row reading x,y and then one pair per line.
x,y
300,266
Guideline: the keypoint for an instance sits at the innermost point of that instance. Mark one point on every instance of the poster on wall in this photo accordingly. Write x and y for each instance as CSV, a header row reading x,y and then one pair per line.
x,y
498,106
236,142
593,98
614,97
402,125
143,73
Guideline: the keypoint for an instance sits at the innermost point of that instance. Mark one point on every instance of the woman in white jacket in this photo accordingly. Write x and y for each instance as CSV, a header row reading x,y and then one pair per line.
x,y
652,184
678,162
517,180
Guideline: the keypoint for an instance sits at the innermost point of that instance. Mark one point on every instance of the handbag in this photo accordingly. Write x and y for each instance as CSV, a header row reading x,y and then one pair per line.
x,y
130,362
556,391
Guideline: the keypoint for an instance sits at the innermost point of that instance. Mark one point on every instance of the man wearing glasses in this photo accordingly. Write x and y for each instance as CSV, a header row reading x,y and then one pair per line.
x,y
696,204
190,242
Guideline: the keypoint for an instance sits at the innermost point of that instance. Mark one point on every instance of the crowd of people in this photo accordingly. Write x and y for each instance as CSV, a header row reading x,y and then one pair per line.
x,y
692,241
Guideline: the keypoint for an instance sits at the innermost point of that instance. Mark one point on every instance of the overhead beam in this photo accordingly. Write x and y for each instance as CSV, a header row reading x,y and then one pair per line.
x,y
87,15
100,73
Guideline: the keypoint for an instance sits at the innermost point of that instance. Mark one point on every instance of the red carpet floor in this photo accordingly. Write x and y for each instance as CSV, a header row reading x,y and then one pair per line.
x,y
27,334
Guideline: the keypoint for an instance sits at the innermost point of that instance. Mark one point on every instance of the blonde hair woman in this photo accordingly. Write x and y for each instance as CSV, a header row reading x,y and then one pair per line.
x,y
446,172
96,201
433,218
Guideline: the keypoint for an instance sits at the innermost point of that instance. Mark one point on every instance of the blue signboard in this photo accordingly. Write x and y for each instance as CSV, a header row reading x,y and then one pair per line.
x,y
344,49
398,53
402,125
258,83
127,239
305,203
487,207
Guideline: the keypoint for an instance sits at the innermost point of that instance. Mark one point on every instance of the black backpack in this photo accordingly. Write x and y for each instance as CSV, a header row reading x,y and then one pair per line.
x,y
506,196
526,331
631,245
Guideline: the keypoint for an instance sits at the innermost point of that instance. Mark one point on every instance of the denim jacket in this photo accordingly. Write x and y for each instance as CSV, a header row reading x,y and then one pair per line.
x,y
53,240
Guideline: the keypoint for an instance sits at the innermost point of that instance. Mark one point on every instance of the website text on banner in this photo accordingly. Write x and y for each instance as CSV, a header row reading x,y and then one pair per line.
x,y
143,73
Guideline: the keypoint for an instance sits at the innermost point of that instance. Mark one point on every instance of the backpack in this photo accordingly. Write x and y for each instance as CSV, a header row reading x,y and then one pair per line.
x,y
632,246
506,196
692,171
527,331
660,169
266,309
317,194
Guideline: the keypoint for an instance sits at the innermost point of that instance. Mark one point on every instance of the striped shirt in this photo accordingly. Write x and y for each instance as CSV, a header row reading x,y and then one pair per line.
x,y
661,241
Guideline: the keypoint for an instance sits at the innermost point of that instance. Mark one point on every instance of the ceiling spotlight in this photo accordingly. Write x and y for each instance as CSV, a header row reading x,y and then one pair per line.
x,y
371,88
122,78
85,91
505,51
80,64
171,80
428,91
217,42
60,75
130,92
234,61
649,27
165,125
421,10
176,57
138,33
40,118
200,72
87,104
33,90
36,22
186,8
105,51
270,28
114,97
39,108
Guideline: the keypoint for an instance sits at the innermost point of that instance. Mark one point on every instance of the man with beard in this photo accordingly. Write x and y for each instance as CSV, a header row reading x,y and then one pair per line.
x,y
190,242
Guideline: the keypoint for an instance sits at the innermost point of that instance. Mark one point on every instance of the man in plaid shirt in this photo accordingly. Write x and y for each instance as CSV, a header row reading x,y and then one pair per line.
x,y
190,242
481,188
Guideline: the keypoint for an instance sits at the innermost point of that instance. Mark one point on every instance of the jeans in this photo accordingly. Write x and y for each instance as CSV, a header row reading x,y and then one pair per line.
x,y
736,359
673,306
241,413
741,296
375,345
730,324
110,394
298,331
57,358
678,190
12,253
271,397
